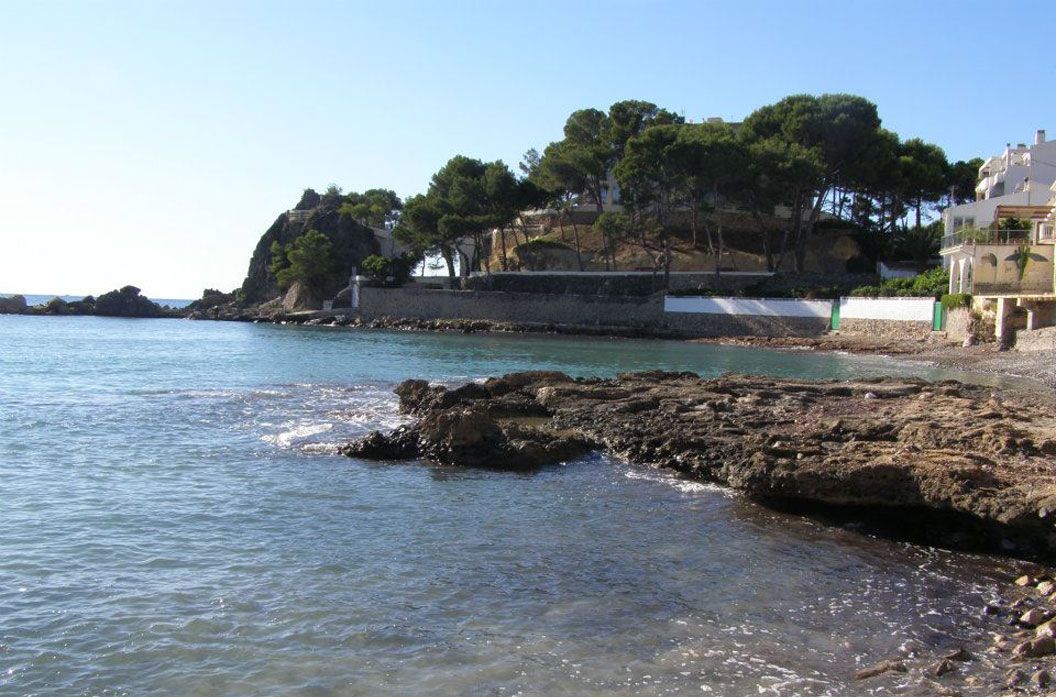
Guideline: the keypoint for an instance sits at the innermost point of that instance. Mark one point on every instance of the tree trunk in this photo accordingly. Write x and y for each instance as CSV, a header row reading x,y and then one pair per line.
x,y
449,256
502,241
575,237
718,263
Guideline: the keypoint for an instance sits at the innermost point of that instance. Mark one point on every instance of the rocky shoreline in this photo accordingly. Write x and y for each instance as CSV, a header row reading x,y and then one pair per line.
x,y
943,463
973,465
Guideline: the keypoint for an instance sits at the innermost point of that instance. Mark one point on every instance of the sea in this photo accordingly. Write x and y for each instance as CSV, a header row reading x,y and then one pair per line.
x,y
175,520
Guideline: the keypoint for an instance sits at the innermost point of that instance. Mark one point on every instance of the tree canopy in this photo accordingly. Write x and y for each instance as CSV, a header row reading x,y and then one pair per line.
x,y
379,208
308,259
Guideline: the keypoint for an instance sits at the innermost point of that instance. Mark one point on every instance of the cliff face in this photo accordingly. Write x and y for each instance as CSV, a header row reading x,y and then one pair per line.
x,y
352,243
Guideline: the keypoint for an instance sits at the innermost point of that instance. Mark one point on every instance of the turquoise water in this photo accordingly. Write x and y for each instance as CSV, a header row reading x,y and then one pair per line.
x,y
174,521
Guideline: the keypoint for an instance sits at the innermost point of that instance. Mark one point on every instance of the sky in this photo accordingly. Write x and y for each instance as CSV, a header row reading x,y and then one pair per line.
x,y
153,142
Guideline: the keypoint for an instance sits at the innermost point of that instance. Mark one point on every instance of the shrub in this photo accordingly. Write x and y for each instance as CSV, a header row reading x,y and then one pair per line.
x,y
952,300
538,245
933,283
376,266
381,268
308,259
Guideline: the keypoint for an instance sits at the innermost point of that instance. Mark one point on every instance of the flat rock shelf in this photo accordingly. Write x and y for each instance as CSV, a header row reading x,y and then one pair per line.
x,y
945,463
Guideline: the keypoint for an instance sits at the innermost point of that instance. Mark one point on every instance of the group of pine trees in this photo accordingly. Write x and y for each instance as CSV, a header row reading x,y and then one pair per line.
x,y
787,165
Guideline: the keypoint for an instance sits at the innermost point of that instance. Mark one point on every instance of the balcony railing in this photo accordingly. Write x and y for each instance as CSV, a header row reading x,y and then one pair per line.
x,y
994,237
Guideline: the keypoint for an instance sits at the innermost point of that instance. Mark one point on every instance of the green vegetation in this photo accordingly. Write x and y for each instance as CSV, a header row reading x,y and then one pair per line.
x,y
953,300
934,283
390,270
793,169
379,208
308,259
540,245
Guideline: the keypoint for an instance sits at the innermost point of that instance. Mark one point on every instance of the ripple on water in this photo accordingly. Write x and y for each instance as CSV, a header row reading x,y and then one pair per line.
x,y
173,521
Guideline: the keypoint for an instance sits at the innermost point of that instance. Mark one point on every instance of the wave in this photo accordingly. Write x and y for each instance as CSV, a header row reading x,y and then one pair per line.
x,y
673,480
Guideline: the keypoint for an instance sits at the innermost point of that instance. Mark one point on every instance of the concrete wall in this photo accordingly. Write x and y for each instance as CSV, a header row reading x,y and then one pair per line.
x,y
751,307
880,329
685,316
536,308
644,313
995,270
1038,340
715,325
891,309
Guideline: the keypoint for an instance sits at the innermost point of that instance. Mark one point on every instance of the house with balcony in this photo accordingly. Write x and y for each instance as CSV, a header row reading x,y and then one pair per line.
x,y
1020,176
1001,247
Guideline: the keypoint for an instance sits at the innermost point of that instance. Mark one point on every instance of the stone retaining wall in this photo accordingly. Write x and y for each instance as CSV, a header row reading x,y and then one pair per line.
x,y
1043,339
540,308
644,313
885,329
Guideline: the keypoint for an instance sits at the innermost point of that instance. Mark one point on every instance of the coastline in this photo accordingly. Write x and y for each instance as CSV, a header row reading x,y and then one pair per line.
x,y
1035,366
941,463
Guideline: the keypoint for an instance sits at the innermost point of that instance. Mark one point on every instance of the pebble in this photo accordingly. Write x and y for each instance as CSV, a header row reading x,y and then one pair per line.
x,y
1035,616
1026,580
940,668
881,667
1040,678
1035,648
1046,587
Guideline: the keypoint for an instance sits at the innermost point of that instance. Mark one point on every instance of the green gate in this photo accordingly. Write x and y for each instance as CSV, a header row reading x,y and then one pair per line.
x,y
835,323
938,317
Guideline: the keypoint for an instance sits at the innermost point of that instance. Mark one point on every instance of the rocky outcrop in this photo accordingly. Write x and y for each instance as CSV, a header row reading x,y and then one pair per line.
x,y
300,297
949,463
15,305
127,302
351,243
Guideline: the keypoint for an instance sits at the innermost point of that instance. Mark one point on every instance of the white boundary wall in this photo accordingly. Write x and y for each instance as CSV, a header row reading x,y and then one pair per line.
x,y
757,307
895,309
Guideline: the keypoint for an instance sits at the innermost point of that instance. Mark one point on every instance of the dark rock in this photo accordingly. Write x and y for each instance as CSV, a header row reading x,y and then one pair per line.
x,y
1015,678
351,243
960,654
1040,679
940,668
890,665
401,444
941,464
1035,648
15,305
126,302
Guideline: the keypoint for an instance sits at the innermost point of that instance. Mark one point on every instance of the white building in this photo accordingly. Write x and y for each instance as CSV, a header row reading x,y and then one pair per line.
x,y
1020,176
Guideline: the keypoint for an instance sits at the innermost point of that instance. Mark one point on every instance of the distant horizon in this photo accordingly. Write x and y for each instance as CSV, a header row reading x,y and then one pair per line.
x,y
79,296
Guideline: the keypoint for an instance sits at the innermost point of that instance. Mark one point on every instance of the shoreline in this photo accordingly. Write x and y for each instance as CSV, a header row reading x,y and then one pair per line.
x,y
1037,367
943,464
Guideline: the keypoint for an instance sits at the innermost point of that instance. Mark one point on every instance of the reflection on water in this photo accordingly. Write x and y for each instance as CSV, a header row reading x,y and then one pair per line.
x,y
174,521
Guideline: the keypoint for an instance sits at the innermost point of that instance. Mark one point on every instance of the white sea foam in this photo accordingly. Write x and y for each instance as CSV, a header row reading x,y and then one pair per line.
x,y
670,479
295,433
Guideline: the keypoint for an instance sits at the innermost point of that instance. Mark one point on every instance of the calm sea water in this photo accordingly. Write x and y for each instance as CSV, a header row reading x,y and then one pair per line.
x,y
174,521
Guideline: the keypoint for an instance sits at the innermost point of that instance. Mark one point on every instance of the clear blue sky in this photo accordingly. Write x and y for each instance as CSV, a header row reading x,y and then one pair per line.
x,y
152,143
